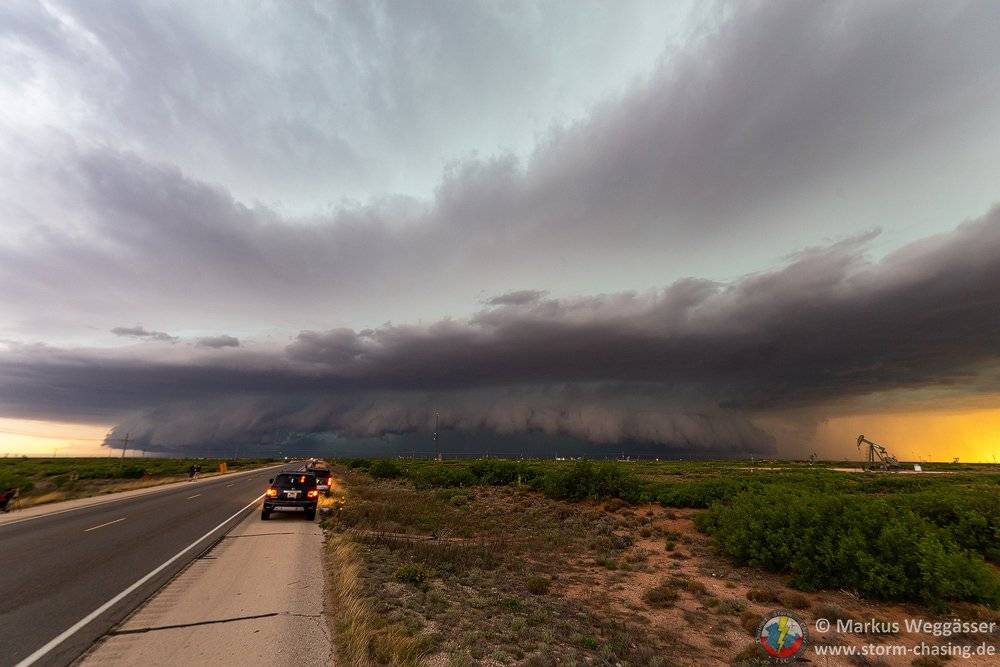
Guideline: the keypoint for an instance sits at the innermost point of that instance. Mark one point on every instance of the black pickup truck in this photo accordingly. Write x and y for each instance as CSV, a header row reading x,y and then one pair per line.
x,y
291,492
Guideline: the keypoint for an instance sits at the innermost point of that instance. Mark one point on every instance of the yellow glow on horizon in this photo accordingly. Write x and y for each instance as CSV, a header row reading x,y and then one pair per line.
x,y
937,435
30,437
931,435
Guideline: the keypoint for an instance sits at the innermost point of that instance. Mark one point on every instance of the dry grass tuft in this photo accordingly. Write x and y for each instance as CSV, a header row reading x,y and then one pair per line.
x,y
363,637
663,595
761,596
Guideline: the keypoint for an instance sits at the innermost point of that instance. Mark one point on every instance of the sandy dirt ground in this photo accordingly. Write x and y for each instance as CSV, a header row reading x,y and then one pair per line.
x,y
706,617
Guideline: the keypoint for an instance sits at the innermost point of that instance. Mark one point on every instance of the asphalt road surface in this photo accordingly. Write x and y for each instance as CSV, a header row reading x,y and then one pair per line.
x,y
67,571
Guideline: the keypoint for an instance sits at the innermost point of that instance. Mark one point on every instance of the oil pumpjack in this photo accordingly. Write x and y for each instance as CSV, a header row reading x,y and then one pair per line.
x,y
878,456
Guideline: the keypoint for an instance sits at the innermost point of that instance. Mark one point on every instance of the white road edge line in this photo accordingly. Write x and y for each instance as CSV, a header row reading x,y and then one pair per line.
x,y
87,530
73,629
194,496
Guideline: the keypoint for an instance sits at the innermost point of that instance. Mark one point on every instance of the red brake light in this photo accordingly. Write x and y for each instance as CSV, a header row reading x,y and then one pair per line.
x,y
312,494
329,481
271,493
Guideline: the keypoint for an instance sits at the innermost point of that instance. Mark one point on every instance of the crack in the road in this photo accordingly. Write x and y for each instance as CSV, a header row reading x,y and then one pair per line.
x,y
136,631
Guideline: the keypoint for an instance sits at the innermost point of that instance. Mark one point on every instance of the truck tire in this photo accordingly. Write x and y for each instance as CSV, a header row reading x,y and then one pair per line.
x,y
264,515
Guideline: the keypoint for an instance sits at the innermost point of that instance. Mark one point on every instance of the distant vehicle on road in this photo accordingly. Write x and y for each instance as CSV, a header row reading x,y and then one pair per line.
x,y
291,492
324,478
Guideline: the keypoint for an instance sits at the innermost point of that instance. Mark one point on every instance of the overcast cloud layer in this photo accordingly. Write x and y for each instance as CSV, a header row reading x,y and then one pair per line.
x,y
219,223
686,365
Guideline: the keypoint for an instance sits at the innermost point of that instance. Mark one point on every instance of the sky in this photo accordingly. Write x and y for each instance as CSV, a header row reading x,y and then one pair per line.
x,y
720,228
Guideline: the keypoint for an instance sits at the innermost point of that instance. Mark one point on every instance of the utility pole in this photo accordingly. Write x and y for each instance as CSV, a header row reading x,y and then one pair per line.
x,y
124,447
437,450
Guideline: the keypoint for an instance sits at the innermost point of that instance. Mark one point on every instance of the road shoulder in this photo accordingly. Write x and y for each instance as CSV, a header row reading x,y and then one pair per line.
x,y
257,597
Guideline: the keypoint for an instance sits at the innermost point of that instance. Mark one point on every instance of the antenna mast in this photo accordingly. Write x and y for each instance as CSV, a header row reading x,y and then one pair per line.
x,y
437,450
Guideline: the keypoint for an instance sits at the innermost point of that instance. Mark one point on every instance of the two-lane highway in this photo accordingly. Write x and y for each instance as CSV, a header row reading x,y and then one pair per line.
x,y
68,577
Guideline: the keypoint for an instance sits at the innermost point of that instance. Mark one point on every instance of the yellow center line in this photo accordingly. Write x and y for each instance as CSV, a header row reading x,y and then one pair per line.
x,y
87,530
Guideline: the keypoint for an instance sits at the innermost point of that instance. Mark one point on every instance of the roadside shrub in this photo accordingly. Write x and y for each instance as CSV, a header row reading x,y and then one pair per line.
x,y
878,548
414,573
761,596
661,596
441,476
538,585
832,613
749,621
583,480
14,481
971,517
700,494
458,500
750,657
495,472
793,600
384,469
731,607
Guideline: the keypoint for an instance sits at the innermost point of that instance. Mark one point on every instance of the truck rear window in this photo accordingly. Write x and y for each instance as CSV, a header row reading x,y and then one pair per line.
x,y
295,481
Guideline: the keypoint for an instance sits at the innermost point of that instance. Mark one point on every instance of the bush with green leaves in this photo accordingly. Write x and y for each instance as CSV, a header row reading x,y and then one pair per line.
x,y
581,480
880,548
701,493
971,516
440,476
497,472
384,469
414,573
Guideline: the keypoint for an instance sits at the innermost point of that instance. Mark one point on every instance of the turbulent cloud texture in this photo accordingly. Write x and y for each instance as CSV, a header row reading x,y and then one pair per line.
x,y
690,364
219,341
141,332
344,186
775,122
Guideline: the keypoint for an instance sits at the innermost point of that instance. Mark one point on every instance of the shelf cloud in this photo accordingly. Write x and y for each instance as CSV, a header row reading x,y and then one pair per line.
x,y
690,364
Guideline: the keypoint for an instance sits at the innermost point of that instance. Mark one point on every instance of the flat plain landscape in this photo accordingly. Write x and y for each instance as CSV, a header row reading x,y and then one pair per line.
x,y
44,480
658,563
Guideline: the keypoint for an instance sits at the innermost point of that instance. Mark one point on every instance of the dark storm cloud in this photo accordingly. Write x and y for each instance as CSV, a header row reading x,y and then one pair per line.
x,y
224,340
141,332
517,298
829,324
689,364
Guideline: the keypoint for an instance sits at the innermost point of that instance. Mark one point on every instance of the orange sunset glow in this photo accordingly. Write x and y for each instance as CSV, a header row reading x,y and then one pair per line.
x,y
28,437
973,436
